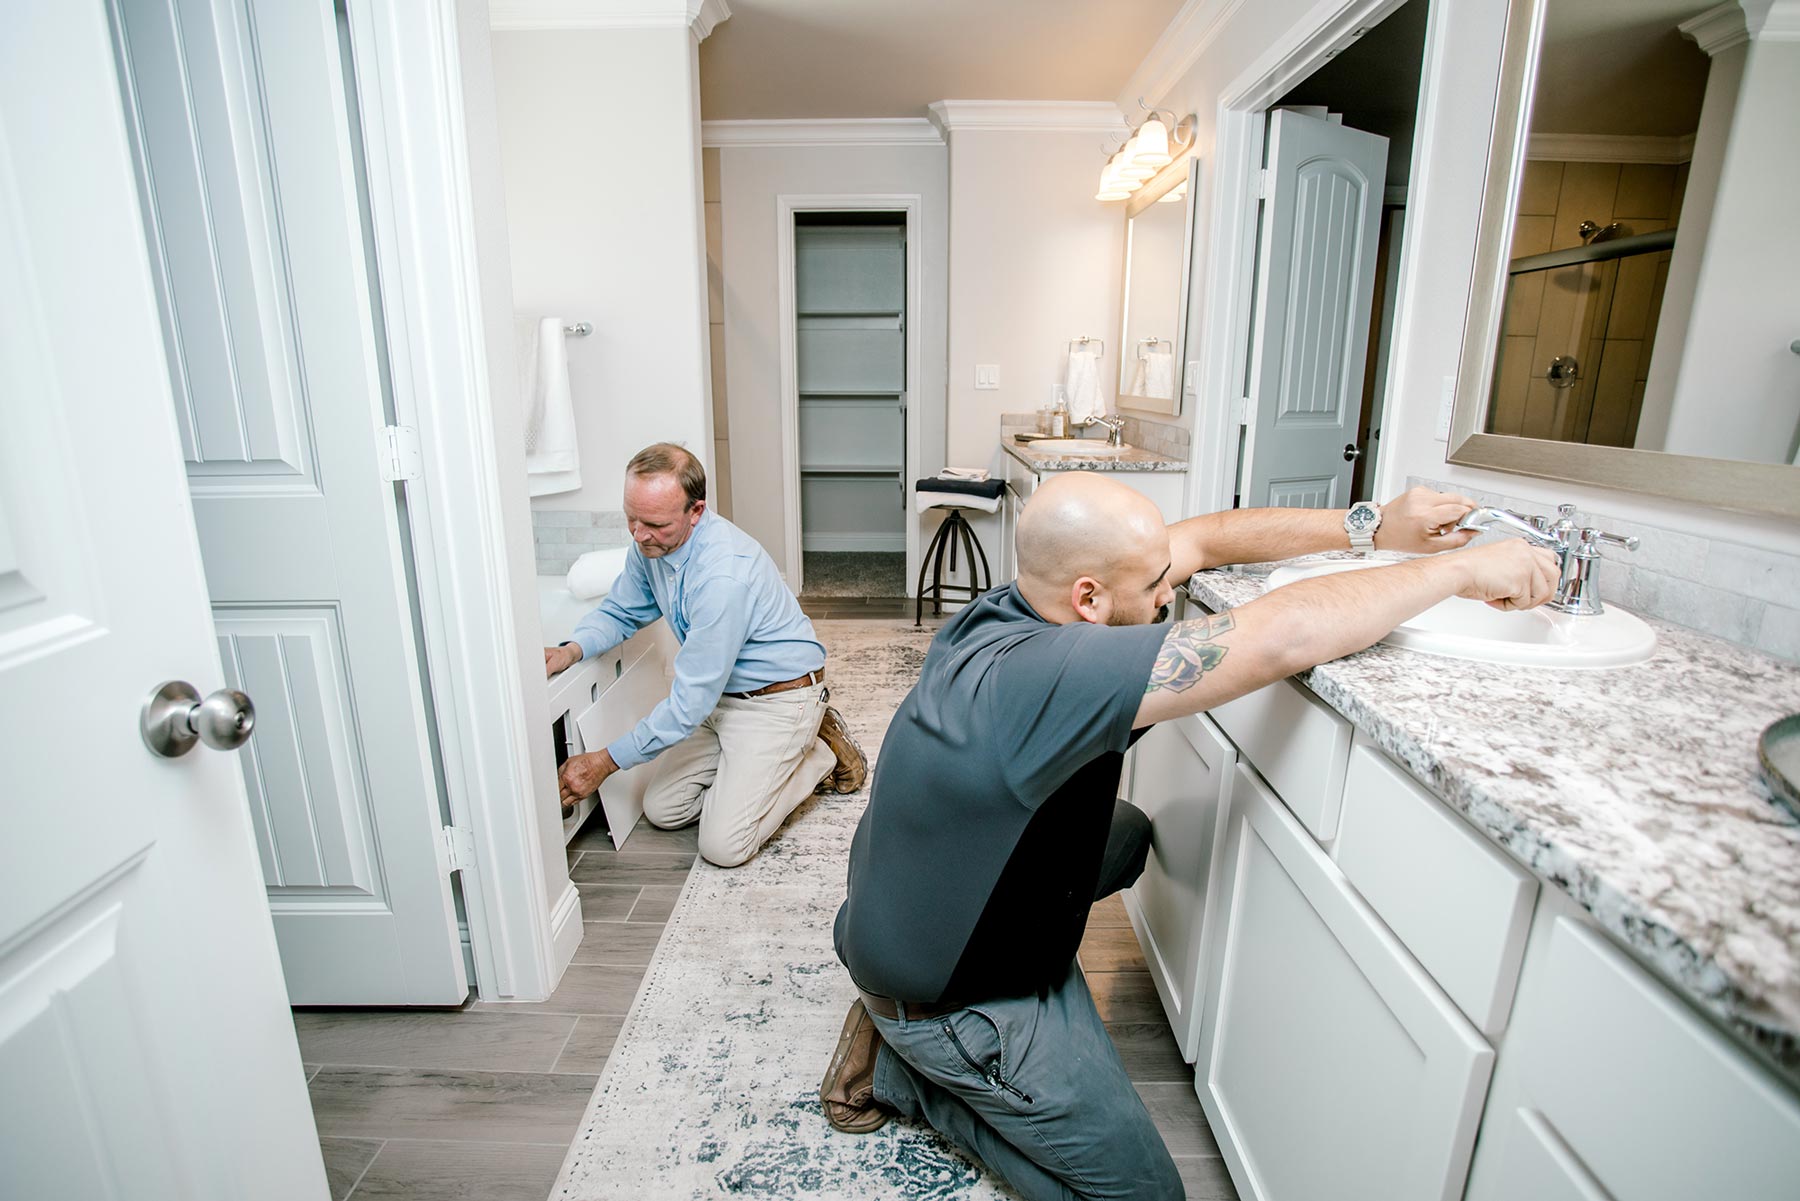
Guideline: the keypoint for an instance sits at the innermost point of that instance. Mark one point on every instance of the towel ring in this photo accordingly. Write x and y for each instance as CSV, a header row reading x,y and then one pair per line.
x,y
1084,340
1143,342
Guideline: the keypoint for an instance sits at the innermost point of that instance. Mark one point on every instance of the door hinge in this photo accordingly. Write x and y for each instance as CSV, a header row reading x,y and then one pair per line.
x,y
1262,184
456,849
1240,411
401,458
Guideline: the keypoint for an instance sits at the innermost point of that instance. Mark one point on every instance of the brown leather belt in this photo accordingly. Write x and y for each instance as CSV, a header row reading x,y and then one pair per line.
x,y
883,1007
805,681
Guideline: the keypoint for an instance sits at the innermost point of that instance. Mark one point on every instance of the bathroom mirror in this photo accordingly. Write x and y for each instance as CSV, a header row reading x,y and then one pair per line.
x,y
1634,320
1158,242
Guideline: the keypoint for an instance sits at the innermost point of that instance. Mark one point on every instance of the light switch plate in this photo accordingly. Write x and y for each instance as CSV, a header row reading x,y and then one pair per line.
x,y
1446,407
1190,382
987,376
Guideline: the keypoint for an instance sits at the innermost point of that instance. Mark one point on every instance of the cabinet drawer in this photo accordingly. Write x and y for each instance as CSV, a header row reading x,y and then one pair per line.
x,y
1650,1100
1461,907
1298,744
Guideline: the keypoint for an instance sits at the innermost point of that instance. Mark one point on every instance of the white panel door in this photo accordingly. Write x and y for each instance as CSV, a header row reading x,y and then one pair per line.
x,y
1315,287
244,127
1330,1064
146,1050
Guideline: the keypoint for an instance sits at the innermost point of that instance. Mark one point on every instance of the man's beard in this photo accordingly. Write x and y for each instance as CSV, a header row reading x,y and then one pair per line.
x,y
1119,619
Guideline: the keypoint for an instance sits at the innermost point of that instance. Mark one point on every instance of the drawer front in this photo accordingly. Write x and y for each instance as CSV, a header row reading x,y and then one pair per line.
x,y
1330,1065
1298,744
1648,1098
1460,906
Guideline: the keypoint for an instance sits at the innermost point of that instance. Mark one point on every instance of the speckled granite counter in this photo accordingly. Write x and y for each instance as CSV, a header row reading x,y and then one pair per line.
x,y
1634,790
1132,458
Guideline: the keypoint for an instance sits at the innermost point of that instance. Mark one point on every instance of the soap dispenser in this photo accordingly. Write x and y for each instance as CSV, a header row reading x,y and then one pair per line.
x,y
1059,412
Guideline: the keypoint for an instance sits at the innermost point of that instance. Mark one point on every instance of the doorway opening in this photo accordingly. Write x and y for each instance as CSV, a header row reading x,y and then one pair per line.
x,y
850,322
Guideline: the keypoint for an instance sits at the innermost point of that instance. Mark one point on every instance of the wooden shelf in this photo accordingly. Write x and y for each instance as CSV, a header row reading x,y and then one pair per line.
x,y
849,469
848,313
850,394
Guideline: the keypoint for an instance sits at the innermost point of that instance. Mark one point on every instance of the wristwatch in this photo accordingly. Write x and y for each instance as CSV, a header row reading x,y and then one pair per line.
x,y
1361,522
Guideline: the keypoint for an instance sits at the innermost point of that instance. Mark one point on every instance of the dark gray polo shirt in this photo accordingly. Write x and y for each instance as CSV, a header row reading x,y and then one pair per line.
x,y
974,865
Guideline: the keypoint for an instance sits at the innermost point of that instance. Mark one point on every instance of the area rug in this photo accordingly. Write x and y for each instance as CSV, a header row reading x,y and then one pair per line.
x,y
712,1088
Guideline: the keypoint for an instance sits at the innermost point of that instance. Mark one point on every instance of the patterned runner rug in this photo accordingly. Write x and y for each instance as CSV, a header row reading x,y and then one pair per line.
x,y
712,1089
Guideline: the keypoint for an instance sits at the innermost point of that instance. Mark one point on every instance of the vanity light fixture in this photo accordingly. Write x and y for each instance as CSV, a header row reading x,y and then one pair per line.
x,y
1151,147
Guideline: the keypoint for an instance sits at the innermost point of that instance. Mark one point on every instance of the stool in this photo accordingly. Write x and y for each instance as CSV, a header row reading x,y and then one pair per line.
x,y
954,529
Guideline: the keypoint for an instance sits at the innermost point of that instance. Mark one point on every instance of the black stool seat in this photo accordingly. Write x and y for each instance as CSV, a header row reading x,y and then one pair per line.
x,y
954,530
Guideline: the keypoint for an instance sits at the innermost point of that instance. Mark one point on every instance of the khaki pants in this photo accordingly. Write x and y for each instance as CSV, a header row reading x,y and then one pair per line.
x,y
747,767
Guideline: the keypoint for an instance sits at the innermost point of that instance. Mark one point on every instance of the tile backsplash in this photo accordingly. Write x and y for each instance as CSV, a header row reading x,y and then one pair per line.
x,y
1170,440
562,536
1731,590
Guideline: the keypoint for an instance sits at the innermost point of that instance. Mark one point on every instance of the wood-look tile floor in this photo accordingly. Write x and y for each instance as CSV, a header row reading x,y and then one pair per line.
x,y
483,1101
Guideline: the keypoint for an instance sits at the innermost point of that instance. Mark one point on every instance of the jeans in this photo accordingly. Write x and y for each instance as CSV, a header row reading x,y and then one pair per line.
x,y
1031,1086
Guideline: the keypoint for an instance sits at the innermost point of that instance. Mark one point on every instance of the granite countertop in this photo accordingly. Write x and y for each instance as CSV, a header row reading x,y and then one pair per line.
x,y
1635,790
1133,458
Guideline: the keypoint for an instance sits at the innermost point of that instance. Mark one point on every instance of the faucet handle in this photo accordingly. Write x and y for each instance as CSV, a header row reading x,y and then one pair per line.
x,y
1591,537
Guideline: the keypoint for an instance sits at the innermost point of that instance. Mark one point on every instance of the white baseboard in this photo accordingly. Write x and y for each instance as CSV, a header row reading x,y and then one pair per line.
x,y
886,542
565,932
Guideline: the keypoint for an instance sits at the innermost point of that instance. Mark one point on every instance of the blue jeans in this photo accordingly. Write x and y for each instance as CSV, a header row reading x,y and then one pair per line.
x,y
1031,1086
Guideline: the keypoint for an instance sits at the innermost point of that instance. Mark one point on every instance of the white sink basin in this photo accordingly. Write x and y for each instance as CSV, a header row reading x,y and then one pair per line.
x,y
1077,446
1466,629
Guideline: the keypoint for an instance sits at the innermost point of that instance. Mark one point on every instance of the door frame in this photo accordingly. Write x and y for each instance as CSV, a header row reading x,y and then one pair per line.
x,y
1230,274
409,84
786,205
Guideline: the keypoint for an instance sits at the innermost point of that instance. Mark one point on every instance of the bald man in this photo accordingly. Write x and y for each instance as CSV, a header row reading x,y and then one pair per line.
x,y
993,824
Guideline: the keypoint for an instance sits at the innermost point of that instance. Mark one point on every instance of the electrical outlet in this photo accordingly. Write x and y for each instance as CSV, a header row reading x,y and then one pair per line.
x,y
987,376
1446,407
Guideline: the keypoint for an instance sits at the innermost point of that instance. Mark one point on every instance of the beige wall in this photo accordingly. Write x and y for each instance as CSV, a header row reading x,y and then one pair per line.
x,y
719,486
599,133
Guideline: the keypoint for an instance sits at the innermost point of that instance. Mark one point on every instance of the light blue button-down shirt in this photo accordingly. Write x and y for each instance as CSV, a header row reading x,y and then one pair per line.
x,y
738,625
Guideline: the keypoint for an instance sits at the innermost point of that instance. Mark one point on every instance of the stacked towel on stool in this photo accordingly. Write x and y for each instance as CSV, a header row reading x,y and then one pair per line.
x,y
968,494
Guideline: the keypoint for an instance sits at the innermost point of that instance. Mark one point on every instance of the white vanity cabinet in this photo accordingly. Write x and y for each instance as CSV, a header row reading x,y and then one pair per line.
x,y
1164,488
601,698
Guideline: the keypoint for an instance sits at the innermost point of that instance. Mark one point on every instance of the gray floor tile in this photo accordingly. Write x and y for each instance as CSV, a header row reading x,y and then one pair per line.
x,y
1206,1179
1108,912
496,1041
607,902
1149,1052
631,943
310,1069
646,837
633,867
585,988
500,1107
593,836
1111,949
1177,1114
656,903
409,1170
1125,996
591,1043
345,1161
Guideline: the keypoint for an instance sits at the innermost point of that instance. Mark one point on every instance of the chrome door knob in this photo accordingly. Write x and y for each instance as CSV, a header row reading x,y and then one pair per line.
x,y
175,718
1352,452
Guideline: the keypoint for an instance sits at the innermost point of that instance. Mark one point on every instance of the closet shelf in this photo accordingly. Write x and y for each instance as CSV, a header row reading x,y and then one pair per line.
x,y
851,393
848,313
848,469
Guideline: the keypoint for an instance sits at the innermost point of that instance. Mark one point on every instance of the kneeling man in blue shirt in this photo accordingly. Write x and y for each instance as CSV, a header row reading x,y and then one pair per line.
x,y
745,734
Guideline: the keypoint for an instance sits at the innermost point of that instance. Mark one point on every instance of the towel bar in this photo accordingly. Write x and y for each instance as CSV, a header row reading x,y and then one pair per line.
x,y
580,329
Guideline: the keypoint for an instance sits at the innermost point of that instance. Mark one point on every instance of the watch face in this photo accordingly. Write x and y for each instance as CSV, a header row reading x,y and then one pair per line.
x,y
1360,519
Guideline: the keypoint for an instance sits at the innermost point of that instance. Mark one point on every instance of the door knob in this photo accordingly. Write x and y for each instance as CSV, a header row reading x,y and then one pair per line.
x,y
175,718
1352,452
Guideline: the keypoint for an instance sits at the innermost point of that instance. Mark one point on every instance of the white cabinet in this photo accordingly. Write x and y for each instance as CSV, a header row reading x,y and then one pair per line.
x,y
1331,1066
1165,488
1181,777
599,699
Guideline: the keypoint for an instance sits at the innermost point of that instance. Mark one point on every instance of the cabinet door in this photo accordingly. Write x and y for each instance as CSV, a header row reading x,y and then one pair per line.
x,y
642,686
1330,1064
1180,776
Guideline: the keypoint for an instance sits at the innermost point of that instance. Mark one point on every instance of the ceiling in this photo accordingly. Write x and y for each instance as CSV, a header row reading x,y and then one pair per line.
x,y
792,59
1619,67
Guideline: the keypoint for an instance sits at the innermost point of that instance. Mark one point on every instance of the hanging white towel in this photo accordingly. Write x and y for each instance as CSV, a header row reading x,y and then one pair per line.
x,y
1159,375
1083,386
552,460
593,574
1139,379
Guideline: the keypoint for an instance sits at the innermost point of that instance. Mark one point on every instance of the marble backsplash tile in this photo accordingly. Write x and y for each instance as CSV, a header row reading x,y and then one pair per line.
x,y
1157,436
562,536
1731,590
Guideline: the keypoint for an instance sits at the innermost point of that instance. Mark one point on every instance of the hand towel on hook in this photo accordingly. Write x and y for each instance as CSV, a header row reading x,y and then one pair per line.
x,y
552,459
1083,385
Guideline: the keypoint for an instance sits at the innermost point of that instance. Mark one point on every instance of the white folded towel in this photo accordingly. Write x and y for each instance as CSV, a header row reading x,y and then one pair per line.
x,y
1082,382
593,574
1159,374
923,500
977,474
552,460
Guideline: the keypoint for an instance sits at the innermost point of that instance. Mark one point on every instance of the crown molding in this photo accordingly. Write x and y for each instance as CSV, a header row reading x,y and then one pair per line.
x,y
699,16
1610,148
871,131
1717,29
1773,20
1194,27
1042,116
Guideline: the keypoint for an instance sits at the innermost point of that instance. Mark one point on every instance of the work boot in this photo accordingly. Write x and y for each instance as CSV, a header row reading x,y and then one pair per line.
x,y
847,1094
852,769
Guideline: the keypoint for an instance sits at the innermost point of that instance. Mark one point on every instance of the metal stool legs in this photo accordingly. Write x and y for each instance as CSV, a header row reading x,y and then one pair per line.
x,y
955,529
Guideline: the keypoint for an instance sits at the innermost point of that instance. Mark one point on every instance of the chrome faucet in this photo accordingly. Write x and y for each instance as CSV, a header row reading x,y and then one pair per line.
x,y
1577,549
1115,428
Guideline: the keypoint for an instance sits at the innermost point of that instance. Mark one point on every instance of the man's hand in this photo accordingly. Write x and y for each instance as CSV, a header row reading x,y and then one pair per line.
x,y
582,775
1511,574
1420,521
561,658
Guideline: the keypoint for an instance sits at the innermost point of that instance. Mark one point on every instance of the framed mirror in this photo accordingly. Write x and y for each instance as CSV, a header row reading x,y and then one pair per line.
x,y
1159,240
1634,320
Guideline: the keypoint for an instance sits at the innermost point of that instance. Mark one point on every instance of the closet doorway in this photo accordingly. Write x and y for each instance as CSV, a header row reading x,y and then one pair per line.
x,y
849,362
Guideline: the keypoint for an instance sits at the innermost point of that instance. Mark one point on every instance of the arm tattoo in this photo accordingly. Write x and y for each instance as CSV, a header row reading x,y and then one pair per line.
x,y
1189,653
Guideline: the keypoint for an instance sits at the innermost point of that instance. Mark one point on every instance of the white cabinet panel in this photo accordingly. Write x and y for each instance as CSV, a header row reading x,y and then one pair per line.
x,y
1299,744
1330,1065
642,686
1650,1100
1181,776
1458,904
1538,1164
